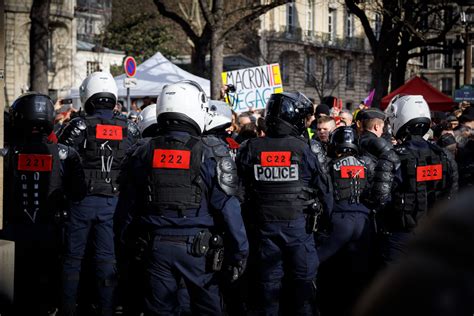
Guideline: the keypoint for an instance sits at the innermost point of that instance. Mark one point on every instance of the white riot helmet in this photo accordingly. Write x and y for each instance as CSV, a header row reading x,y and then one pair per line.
x,y
98,91
184,102
219,116
147,118
408,114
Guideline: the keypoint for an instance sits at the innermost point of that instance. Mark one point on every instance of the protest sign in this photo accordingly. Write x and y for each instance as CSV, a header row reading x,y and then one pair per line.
x,y
253,86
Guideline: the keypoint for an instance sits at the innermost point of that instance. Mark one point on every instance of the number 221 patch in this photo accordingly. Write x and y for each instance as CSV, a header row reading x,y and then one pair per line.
x,y
35,162
171,159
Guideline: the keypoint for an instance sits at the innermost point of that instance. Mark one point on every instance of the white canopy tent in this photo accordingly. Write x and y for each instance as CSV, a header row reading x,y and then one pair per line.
x,y
152,75
156,72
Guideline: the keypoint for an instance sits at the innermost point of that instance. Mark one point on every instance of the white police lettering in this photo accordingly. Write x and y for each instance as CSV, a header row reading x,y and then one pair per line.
x,y
274,174
347,161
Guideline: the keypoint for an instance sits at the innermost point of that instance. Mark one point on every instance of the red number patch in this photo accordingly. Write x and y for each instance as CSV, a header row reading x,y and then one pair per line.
x,y
35,162
349,172
429,173
275,158
171,159
110,132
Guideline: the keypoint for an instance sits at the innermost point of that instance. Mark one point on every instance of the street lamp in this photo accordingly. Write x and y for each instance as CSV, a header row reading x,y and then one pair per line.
x,y
458,47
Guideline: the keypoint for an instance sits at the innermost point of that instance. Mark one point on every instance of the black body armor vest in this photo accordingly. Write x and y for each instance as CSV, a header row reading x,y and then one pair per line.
x,y
36,192
277,191
350,178
424,172
175,182
102,153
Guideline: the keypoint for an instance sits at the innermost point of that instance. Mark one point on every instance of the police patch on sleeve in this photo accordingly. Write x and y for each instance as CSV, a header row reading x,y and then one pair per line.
x,y
276,166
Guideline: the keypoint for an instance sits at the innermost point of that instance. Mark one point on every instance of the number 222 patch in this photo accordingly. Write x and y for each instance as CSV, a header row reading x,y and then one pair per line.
x,y
429,173
171,159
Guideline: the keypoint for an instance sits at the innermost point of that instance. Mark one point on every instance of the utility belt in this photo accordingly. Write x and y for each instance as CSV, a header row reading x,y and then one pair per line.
x,y
204,243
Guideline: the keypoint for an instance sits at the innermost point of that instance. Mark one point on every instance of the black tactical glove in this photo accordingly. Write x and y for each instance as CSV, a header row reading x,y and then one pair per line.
x,y
237,269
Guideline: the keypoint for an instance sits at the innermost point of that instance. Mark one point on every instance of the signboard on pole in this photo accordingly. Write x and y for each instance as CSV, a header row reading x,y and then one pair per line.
x,y
466,93
130,82
253,86
130,66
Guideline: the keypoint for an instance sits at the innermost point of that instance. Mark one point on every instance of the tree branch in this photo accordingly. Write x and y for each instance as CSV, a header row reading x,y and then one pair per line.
x,y
206,12
254,14
355,9
185,26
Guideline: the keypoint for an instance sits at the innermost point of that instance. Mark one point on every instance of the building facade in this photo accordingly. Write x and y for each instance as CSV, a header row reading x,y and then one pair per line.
x,y
90,58
92,17
62,47
321,49
73,49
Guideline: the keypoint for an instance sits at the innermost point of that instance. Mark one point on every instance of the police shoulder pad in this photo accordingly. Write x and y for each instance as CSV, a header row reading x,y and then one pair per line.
x,y
378,145
132,129
63,151
78,122
218,147
227,175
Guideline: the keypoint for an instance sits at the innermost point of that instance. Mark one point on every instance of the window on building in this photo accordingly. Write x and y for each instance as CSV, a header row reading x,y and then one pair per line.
x,y
448,56
472,56
88,26
438,61
329,70
310,17
349,25
290,17
310,69
51,65
350,75
92,66
448,15
53,94
285,68
332,24
424,59
377,25
447,86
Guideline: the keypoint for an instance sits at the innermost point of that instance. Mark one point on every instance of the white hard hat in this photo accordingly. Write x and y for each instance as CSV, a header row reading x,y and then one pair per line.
x,y
219,115
99,88
147,117
408,114
183,101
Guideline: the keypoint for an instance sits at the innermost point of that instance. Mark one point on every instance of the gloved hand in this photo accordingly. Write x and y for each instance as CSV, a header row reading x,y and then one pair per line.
x,y
237,269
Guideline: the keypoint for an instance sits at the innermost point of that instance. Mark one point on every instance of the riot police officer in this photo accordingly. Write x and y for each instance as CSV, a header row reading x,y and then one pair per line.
x,y
102,140
44,176
182,188
218,120
283,179
129,261
351,174
147,123
427,173
465,154
381,153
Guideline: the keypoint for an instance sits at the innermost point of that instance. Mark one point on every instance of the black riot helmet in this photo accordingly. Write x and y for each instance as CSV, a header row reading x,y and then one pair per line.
x,y
343,140
33,111
286,113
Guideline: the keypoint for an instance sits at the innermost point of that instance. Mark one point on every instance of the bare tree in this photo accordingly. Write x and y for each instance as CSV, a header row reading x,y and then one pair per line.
x,y
211,26
326,81
39,47
402,27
